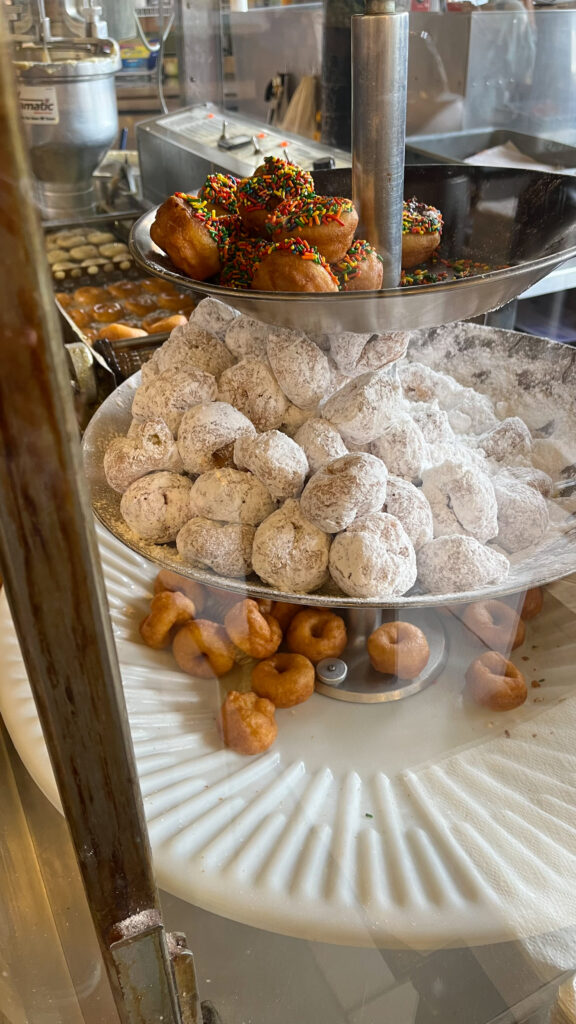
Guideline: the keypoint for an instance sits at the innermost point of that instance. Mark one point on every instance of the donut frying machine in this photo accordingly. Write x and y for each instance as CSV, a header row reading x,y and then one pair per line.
x,y
536,215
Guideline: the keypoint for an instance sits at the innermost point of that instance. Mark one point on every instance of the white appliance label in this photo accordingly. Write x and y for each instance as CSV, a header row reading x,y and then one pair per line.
x,y
38,104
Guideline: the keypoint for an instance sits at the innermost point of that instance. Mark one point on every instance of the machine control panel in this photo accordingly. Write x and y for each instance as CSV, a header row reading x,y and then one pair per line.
x,y
177,150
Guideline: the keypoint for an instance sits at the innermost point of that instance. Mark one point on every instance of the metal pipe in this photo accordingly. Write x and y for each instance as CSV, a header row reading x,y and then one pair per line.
x,y
379,87
54,583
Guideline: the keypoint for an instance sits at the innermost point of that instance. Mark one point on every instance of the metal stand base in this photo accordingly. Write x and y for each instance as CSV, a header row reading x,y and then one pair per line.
x,y
352,677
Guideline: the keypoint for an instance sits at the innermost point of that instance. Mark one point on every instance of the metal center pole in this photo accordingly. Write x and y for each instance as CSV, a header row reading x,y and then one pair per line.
x,y
379,86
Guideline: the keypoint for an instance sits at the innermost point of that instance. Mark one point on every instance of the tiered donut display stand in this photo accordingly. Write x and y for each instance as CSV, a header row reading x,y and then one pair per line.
x,y
398,823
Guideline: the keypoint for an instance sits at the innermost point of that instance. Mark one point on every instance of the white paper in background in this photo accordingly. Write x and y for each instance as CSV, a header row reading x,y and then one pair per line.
x,y
508,155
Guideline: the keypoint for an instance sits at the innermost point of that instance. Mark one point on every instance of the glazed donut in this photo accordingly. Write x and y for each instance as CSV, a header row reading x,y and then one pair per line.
x,y
294,266
190,235
421,232
89,294
65,299
219,193
360,269
106,312
140,305
117,331
166,323
398,649
284,612
167,580
285,679
154,285
202,648
256,633
326,222
122,289
247,723
183,304
167,609
317,634
83,317
272,182
496,624
495,682
533,602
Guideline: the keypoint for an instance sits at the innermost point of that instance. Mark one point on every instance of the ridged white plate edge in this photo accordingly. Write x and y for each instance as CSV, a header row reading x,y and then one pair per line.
x,y
424,823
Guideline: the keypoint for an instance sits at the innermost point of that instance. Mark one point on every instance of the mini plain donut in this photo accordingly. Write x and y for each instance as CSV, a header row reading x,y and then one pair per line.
x,y
496,624
202,648
532,604
285,679
317,633
398,649
247,723
167,580
496,683
256,633
167,609
284,612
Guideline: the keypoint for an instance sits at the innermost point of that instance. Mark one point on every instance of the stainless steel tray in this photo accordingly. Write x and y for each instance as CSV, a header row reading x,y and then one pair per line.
x,y
544,373
452,147
523,221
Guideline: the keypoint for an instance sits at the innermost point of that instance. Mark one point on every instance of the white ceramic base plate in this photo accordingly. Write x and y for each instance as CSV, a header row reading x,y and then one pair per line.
x,y
424,822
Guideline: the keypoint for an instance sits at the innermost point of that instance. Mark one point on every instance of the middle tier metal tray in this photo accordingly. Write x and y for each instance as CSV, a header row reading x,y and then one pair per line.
x,y
521,224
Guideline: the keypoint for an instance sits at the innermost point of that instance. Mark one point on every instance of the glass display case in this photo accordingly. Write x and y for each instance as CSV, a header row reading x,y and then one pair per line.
x,y
288,529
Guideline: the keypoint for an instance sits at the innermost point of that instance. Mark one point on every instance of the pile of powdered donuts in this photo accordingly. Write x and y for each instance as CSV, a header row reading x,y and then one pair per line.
x,y
273,232
259,451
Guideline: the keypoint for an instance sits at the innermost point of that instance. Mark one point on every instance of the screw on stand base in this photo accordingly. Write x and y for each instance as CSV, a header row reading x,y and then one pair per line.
x,y
352,677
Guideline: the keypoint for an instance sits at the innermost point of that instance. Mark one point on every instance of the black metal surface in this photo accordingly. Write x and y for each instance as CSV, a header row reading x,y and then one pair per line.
x,y
535,212
452,147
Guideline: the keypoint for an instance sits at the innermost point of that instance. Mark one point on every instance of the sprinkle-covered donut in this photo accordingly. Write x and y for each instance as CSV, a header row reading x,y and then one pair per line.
x,y
294,266
421,232
192,236
272,182
326,222
241,257
219,192
360,269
